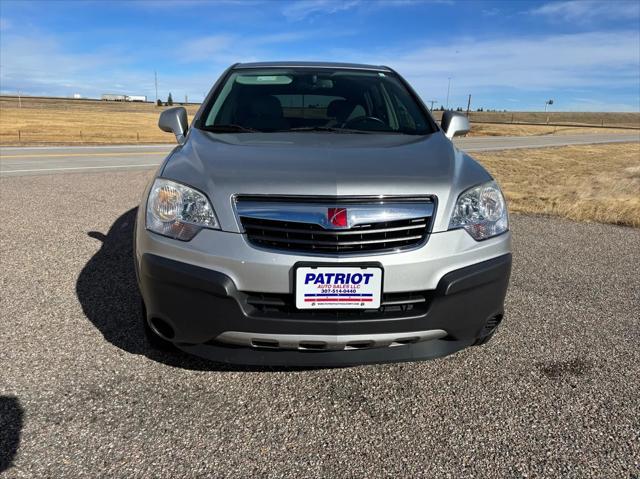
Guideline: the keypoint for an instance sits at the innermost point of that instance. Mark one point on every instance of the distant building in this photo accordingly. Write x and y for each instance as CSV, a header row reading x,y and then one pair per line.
x,y
77,96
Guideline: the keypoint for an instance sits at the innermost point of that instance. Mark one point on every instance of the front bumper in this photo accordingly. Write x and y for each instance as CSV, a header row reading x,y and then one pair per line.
x,y
203,306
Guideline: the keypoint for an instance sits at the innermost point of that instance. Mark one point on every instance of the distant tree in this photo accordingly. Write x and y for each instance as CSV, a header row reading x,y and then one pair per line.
x,y
170,100
459,109
441,108
159,102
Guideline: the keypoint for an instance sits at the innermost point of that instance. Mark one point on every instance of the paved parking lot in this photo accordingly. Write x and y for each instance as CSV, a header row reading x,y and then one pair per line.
x,y
555,394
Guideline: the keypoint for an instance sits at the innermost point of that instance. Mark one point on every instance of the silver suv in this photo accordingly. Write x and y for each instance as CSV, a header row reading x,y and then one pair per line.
x,y
314,214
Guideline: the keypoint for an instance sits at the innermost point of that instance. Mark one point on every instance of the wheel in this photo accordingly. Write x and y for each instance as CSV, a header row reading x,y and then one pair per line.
x,y
484,339
153,340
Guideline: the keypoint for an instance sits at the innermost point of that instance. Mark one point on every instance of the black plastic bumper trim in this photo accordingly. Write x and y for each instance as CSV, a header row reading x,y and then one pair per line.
x,y
200,304
187,275
475,275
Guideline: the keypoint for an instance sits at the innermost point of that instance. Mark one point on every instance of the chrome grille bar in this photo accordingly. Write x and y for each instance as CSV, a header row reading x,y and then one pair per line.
x,y
305,225
316,213
354,231
340,243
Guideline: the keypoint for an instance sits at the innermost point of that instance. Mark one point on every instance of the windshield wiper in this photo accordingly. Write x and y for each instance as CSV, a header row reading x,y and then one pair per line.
x,y
230,128
326,128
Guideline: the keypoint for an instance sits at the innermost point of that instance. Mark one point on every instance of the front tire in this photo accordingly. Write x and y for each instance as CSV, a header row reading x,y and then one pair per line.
x,y
484,339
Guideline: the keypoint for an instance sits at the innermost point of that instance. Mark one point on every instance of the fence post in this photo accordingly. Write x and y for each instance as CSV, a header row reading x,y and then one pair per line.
x,y
603,122
19,137
138,136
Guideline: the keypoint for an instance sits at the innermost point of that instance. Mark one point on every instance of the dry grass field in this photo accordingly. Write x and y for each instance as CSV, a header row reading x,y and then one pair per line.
x,y
42,121
508,129
610,119
599,183
69,122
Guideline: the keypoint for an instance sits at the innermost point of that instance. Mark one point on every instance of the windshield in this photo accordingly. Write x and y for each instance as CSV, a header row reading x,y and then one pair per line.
x,y
308,100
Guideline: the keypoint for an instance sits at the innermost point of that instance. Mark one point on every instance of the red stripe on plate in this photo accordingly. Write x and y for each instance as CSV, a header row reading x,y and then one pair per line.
x,y
308,300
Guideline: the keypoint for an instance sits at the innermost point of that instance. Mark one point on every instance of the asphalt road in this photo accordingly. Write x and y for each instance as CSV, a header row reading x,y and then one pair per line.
x,y
18,161
554,394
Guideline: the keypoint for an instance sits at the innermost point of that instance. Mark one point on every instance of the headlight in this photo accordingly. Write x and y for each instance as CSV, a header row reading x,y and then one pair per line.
x,y
177,211
481,211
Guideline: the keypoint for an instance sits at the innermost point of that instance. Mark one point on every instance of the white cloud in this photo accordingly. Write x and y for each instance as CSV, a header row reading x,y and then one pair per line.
x,y
41,59
589,10
234,48
397,3
581,60
491,12
604,65
205,47
302,9
40,64
181,4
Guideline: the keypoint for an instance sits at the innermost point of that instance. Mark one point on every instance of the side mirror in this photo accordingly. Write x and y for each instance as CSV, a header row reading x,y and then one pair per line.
x,y
175,120
454,124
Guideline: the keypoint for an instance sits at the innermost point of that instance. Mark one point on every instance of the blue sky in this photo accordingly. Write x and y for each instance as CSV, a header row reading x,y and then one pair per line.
x,y
508,54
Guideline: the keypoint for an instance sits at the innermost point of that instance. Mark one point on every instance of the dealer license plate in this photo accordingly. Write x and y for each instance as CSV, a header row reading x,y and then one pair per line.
x,y
332,287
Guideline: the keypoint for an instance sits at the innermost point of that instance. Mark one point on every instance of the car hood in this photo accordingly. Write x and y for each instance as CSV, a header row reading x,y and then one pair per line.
x,y
322,164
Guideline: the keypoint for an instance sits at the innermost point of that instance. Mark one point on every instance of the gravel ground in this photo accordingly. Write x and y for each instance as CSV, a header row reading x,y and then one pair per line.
x,y
555,394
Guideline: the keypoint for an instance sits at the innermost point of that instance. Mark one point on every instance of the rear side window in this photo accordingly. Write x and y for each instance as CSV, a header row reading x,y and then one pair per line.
x,y
292,99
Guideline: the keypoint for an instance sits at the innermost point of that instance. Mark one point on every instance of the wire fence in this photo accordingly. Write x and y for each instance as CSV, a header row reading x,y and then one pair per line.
x,y
567,119
24,137
80,137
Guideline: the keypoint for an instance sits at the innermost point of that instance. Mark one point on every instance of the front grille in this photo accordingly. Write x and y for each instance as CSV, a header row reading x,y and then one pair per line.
x,y
308,237
392,306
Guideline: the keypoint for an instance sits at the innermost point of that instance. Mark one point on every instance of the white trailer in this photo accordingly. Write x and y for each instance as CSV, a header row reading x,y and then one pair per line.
x,y
113,97
141,98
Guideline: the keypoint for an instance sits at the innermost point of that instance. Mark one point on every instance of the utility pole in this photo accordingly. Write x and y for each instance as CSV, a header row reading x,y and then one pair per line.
x,y
19,100
155,74
546,104
432,102
448,90
468,104
186,99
